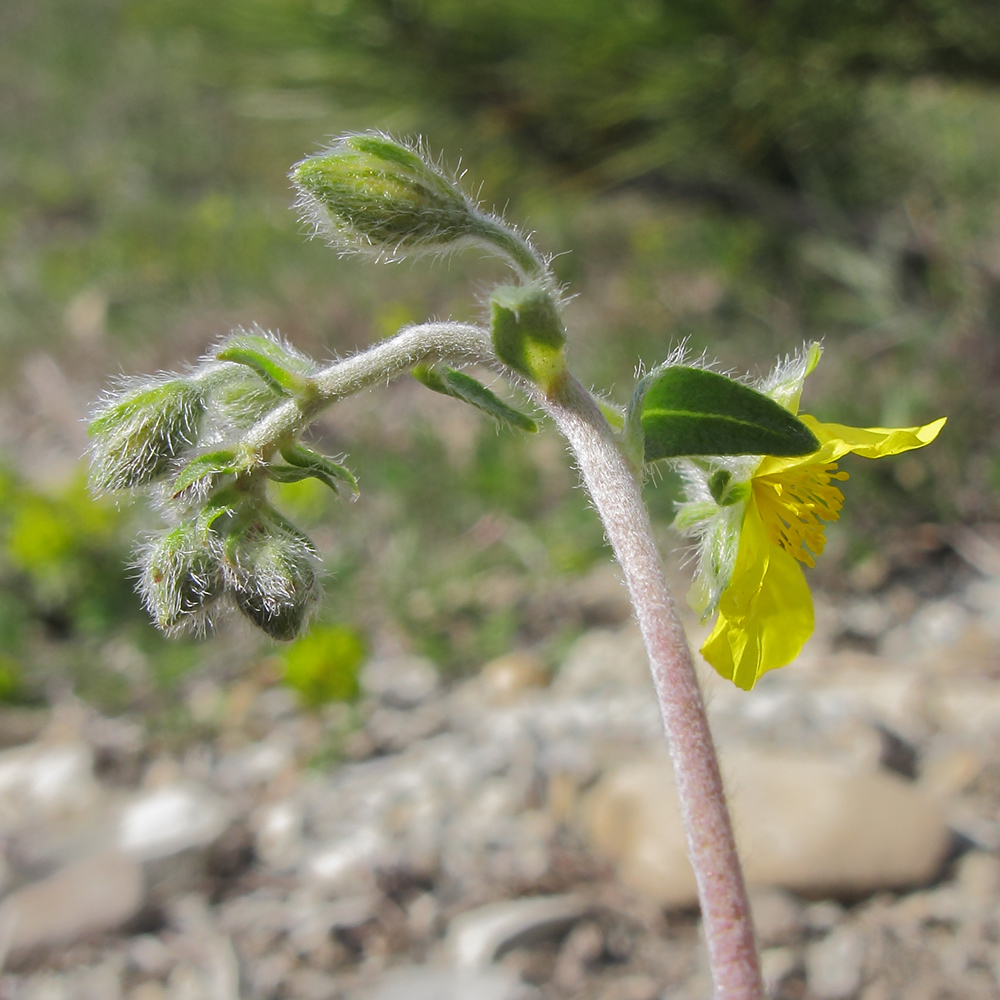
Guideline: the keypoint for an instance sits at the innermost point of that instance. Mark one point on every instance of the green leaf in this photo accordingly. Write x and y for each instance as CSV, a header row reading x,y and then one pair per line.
x,y
284,370
690,411
215,463
319,467
457,384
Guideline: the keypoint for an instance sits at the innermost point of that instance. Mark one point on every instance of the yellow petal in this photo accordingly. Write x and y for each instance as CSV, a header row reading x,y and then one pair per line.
x,y
837,440
766,613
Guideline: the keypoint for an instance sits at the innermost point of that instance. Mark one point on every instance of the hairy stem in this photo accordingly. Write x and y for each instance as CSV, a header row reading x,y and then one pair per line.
x,y
415,345
616,494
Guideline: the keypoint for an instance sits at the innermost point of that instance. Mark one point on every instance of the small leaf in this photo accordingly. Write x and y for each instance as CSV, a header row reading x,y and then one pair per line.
x,y
690,411
528,334
457,384
215,463
285,370
319,467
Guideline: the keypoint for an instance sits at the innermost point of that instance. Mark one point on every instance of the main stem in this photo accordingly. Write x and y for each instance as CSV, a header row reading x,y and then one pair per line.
x,y
616,494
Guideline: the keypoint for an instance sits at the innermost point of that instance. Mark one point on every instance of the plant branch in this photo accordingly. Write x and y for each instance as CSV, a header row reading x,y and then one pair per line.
x,y
384,361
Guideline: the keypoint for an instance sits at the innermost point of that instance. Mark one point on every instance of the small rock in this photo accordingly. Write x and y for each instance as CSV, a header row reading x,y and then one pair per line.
x,y
632,987
505,679
476,937
44,783
803,823
601,662
277,831
581,948
834,965
421,983
169,820
400,681
777,915
776,965
822,916
149,990
87,897
392,729
978,877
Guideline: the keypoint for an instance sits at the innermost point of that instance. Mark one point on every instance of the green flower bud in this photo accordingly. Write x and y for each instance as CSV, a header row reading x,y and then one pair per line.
x,y
270,570
180,578
137,432
528,333
367,193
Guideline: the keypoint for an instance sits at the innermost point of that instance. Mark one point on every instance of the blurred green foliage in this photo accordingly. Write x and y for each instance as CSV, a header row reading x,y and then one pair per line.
x,y
323,665
745,176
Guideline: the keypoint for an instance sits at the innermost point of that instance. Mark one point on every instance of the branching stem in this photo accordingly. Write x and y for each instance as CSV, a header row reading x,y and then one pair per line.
x,y
617,495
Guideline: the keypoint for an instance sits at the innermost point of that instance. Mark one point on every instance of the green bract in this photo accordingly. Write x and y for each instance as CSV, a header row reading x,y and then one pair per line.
x,y
528,333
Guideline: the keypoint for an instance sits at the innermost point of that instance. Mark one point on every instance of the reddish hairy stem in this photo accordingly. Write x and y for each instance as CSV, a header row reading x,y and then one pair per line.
x,y
617,496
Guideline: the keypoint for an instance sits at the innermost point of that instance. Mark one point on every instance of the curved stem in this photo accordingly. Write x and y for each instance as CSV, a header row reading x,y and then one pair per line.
x,y
382,362
617,496
616,493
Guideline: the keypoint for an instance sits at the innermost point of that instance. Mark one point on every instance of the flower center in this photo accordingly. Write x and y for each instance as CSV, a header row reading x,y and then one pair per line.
x,y
794,505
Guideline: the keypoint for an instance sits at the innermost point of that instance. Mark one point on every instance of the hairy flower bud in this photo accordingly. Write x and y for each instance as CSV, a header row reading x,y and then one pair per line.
x,y
137,432
180,578
270,569
368,193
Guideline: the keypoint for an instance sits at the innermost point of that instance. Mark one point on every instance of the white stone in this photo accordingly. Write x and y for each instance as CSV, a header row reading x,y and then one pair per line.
x,y
171,819
476,937
834,965
42,783
421,983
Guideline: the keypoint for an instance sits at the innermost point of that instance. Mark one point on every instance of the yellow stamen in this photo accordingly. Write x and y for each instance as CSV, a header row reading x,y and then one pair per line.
x,y
795,503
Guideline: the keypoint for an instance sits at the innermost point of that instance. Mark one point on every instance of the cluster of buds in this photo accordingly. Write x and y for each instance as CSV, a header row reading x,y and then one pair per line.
x,y
182,437
208,442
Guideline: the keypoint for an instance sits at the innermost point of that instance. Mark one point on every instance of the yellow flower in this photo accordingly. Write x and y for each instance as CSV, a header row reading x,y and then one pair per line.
x,y
769,517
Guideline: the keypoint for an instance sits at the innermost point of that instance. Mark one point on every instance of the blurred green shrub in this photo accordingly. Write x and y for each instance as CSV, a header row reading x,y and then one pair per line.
x,y
323,665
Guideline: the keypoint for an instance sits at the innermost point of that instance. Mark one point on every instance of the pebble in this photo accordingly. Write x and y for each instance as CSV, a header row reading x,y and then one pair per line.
x,y
777,915
44,783
400,681
476,937
87,897
422,983
834,964
171,819
508,678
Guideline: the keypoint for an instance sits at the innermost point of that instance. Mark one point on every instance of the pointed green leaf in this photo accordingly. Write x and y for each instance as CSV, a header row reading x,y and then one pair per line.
x,y
278,380
285,370
690,411
216,463
319,467
457,384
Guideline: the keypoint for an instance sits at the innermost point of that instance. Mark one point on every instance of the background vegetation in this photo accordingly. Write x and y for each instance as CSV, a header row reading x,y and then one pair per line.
x,y
745,176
